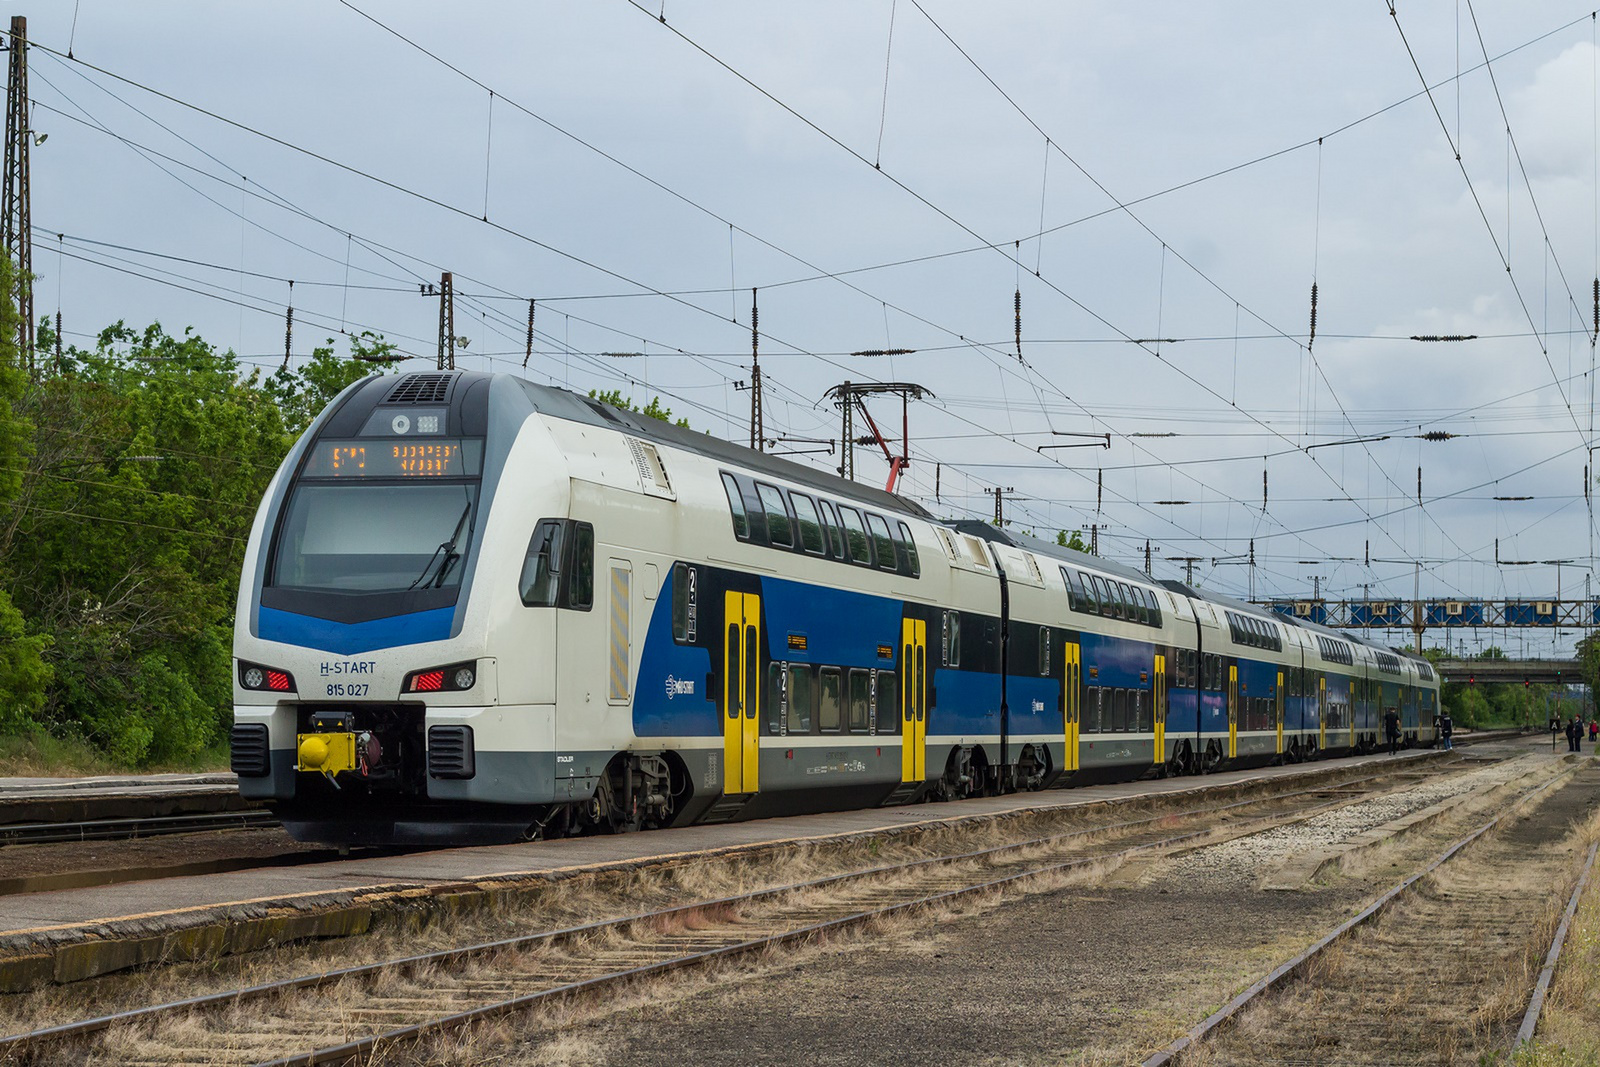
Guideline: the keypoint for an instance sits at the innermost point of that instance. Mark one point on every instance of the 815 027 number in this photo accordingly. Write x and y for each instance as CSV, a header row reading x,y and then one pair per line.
x,y
348,689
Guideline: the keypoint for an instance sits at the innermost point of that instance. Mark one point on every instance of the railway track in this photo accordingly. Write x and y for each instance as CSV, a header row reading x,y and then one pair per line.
x,y
47,877
1436,969
126,829
345,1014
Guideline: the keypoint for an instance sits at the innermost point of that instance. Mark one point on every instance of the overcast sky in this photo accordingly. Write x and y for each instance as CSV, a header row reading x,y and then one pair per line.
x,y
888,173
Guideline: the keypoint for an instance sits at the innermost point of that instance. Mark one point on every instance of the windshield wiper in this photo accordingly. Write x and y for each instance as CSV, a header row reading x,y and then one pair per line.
x,y
450,554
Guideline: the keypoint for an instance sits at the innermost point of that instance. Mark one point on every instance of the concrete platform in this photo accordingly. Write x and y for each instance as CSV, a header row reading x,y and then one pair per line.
x,y
74,934
117,783
115,796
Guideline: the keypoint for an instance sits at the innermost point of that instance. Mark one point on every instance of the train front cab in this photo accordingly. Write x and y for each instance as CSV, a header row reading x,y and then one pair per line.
x,y
370,580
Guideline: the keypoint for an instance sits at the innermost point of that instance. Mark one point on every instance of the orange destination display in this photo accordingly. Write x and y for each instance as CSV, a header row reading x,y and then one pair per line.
x,y
388,459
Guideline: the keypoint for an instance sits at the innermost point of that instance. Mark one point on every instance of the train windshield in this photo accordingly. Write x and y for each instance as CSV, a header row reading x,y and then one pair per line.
x,y
374,538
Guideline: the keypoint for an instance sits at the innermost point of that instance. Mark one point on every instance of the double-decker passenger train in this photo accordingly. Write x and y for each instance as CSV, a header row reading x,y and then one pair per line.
x,y
475,608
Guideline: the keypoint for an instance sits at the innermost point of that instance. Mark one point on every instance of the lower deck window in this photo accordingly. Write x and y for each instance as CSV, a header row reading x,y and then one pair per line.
x,y
801,694
830,700
860,701
888,704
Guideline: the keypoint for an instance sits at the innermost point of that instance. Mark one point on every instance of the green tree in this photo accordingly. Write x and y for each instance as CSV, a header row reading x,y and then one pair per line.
x,y
1074,541
304,391
1588,656
655,409
1471,709
144,461
24,674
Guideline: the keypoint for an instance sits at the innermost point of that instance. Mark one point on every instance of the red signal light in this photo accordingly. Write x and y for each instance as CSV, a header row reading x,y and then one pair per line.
x,y
1472,679
428,682
278,681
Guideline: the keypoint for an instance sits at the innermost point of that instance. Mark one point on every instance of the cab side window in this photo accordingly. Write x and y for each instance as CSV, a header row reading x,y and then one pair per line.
x,y
558,570
580,585
541,568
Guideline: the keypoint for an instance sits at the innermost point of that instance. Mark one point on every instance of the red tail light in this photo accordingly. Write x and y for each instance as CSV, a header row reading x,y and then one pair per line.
x,y
455,678
255,676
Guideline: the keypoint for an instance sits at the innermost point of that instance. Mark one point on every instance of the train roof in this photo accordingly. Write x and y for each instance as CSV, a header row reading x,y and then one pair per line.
x,y
1345,635
990,532
565,404
1228,602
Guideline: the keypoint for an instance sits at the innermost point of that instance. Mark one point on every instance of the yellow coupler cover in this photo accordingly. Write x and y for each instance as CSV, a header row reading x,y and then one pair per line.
x,y
326,753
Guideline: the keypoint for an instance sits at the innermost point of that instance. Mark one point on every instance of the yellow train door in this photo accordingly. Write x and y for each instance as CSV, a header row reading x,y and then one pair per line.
x,y
741,693
1072,680
1277,711
913,700
1159,696
1233,710
1350,732
1322,713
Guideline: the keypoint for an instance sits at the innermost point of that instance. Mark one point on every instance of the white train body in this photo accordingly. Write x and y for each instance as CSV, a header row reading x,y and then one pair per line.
x,y
474,608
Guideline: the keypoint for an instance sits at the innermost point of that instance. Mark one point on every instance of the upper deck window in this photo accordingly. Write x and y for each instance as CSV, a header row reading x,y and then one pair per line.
x,y
778,532
1155,607
911,551
882,541
741,522
855,536
805,513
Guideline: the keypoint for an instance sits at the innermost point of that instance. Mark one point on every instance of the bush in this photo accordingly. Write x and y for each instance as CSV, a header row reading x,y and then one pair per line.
x,y
24,675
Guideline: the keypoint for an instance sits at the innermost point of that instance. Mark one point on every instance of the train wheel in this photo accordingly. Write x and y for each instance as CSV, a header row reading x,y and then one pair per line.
x,y
956,782
1178,765
607,813
1032,769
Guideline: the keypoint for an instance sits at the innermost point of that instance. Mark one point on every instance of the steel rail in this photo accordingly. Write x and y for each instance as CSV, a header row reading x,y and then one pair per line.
x,y
1287,970
38,833
355,1049
30,1041
1530,1019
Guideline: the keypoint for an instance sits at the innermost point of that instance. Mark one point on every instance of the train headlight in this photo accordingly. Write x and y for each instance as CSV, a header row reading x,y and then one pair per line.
x,y
455,678
270,679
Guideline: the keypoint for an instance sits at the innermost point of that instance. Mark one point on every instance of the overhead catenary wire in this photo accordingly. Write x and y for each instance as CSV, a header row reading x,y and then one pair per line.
x,y
935,208
559,330
1127,210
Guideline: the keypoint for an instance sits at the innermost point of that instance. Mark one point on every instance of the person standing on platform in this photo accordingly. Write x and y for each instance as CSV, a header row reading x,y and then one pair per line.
x,y
1446,730
1574,731
1391,729
1594,730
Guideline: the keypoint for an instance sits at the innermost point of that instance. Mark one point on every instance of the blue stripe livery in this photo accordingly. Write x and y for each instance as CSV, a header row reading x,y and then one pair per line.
x,y
350,638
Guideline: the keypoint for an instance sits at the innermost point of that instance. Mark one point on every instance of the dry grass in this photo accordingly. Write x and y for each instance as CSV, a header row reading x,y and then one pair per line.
x,y
585,899
1443,975
561,1033
422,927
1569,1028
1498,783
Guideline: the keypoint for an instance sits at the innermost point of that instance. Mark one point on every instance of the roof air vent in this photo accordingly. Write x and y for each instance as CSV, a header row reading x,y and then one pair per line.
x,y
420,389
